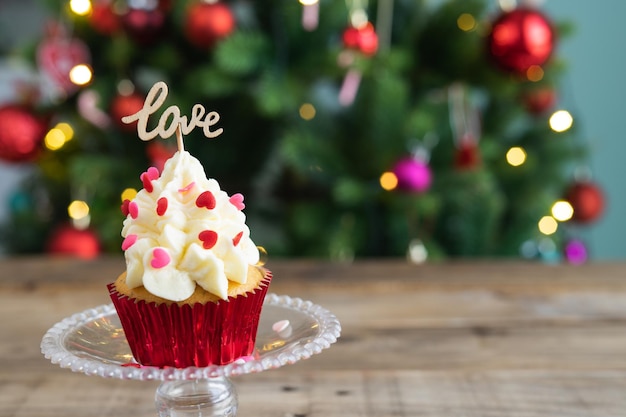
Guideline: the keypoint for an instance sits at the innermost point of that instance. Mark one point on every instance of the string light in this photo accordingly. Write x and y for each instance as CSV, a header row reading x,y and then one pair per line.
x,y
81,74
561,120
80,7
58,136
516,156
307,111
548,225
534,73
388,181
78,209
466,22
562,210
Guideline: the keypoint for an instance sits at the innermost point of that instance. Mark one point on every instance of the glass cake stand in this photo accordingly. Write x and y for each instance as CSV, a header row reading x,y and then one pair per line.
x,y
93,342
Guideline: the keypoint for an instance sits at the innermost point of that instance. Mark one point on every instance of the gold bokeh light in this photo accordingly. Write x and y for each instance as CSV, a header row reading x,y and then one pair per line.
x,y
548,225
466,22
561,120
81,74
516,156
78,209
80,7
562,210
388,181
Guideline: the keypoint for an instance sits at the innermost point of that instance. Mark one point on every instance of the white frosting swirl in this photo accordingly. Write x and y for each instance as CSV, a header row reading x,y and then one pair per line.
x,y
181,230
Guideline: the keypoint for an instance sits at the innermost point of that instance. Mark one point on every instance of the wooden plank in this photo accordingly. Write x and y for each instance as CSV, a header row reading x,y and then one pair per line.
x,y
282,392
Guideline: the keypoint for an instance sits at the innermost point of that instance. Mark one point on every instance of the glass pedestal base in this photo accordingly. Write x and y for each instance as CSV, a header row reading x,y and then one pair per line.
x,y
93,342
200,397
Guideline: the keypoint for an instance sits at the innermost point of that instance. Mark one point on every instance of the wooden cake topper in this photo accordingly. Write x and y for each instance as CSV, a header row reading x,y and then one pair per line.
x,y
165,128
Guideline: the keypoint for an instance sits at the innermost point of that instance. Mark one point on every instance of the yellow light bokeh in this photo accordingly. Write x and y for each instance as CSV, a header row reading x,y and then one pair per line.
x,y
81,74
80,7
307,111
308,2
534,73
466,22
78,209
516,156
548,225
561,120
128,194
67,130
388,181
55,139
562,210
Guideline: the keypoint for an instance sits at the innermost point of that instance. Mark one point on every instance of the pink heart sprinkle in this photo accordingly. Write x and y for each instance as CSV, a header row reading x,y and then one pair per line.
x,y
208,238
187,188
237,238
206,199
153,173
124,207
237,201
133,209
161,206
147,177
160,258
129,241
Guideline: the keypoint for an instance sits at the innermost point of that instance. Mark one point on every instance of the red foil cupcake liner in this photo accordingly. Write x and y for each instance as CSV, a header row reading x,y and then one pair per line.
x,y
199,335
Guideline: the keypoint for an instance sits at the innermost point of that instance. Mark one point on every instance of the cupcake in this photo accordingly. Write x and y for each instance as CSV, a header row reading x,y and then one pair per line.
x,y
191,294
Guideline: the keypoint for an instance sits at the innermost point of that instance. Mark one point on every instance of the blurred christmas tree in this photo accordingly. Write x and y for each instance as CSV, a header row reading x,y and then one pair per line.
x,y
354,128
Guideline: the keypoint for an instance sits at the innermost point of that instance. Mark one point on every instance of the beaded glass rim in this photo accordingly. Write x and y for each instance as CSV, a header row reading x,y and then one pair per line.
x,y
327,330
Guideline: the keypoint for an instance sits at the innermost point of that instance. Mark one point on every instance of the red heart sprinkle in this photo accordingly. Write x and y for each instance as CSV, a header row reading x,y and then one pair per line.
x,y
237,201
161,206
237,238
133,209
129,241
147,177
160,258
208,238
124,207
206,199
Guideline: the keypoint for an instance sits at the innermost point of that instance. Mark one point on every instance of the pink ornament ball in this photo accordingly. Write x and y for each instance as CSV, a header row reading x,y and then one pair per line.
x,y
413,175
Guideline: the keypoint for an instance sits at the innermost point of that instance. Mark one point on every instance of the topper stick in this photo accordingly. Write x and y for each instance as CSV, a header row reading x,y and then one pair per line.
x,y
179,138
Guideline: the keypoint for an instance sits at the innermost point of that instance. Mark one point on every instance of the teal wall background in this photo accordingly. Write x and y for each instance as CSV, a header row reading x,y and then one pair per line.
x,y
594,91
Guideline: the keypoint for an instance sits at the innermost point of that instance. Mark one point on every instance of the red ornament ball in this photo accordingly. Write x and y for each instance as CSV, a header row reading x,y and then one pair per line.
x,y
144,26
125,105
21,134
467,155
587,199
69,241
103,19
206,23
520,39
363,39
539,100
414,175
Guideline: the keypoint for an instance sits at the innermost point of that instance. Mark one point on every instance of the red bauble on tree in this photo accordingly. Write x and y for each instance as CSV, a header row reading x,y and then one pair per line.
x,y
144,26
206,23
539,100
103,19
363,39
467,155
125,105
520,39
21,134
587,199
69,241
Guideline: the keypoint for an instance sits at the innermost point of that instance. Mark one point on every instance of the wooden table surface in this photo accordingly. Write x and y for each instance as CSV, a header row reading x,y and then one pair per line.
x,y
500,339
